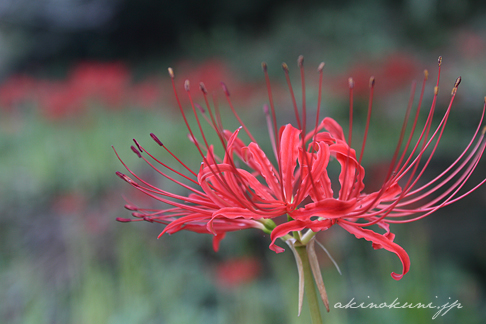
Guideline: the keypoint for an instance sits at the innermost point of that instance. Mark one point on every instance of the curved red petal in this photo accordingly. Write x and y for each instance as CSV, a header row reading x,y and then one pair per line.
x,y
237,212
289,152
352,173
177,224
334,128
265,168
320,179
230,213
230,146
240,149
328,208
296,225
385,242
259,189
216,240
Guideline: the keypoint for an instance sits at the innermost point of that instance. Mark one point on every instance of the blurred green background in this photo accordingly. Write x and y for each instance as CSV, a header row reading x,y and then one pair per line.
x,y
80,76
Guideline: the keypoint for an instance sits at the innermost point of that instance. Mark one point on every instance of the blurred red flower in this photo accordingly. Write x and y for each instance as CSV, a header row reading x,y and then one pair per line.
x,y
16,89
58,100
106,82
395,71
235,272
146,94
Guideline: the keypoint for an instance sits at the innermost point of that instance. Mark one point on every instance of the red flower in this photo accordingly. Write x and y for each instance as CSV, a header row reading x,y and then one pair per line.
x,y
14,90
396,68
244,189
107,82
235,272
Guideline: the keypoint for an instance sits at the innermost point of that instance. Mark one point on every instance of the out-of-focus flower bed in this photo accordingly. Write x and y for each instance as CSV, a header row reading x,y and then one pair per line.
x,y
106,85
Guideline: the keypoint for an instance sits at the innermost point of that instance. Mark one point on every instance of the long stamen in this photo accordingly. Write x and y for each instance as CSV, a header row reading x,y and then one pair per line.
x,y
216,111
439,130
271,132
351,88
407,116
441,127
407,188
206,143
187,88
300,64
417,113
155,138
402,134
218,175
424,135
422,139
343,194
186,85
457,186
217,129
304,138
368,118
392,169
150,188
292,96
235,170
160,162
365,136
318,109
227,94
223,142
274,119
203,114
272,107
446,180
472,168
454,163
320,68
428,122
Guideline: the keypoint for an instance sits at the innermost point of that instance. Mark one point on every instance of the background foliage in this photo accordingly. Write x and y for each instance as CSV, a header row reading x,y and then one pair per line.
x,y
78,77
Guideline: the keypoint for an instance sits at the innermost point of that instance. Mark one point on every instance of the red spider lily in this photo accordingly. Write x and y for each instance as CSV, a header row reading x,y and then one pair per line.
x,y
244,189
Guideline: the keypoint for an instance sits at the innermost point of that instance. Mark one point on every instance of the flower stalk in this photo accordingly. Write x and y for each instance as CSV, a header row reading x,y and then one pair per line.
x,y
309,272
309,287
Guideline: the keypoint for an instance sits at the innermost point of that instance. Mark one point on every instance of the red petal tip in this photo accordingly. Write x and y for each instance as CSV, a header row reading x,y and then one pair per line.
x,y
396,276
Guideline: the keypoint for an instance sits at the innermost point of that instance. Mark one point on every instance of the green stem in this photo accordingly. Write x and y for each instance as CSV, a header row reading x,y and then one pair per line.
x,y
310,289
307,237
